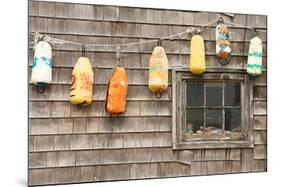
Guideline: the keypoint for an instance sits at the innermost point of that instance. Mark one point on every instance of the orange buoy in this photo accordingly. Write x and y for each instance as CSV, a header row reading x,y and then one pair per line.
x,y
117,89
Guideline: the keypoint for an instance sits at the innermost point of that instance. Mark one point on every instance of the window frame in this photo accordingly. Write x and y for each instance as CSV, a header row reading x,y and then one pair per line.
x,y
179,77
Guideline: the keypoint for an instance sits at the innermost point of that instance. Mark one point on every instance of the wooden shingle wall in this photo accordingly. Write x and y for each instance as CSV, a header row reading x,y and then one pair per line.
x,y
70,145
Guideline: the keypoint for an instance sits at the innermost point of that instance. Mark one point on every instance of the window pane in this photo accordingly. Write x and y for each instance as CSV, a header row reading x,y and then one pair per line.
x,y
233,120
214,94
232,94
194,120
214,120
195,93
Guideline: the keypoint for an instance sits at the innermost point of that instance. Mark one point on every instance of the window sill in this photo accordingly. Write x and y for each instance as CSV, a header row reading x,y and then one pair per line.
x,y
212,145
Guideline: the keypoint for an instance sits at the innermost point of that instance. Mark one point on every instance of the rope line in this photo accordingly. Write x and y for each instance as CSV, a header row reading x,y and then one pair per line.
x,y
190,30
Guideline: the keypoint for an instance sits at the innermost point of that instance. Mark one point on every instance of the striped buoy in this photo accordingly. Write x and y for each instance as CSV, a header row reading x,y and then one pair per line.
x,y
41,74
158,71
117,89
254,63
197,55
81,91
223,48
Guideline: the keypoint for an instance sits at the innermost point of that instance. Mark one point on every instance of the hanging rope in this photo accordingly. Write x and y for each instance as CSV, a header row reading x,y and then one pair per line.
x,y
117,55
83,50
59,42
190,30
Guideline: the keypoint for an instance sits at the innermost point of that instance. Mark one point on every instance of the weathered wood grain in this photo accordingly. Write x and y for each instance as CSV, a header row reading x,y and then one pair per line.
x,y
260,137
260,165
260,92
260,122
216,155
100,141
260,108
70,145
260,152
128,29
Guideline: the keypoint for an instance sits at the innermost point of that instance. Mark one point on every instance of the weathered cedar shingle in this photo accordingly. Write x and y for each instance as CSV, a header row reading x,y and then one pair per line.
x,y
260,165
37,160
261,80
260,152
87,174
81,11
260,107
260,92
52,159
62,142
246,160
260,122
67,175
39,109
260,137
216,167
42,143
43,126
86,158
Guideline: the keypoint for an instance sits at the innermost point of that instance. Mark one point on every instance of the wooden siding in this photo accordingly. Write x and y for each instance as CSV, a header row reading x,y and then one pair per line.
x,y
70,145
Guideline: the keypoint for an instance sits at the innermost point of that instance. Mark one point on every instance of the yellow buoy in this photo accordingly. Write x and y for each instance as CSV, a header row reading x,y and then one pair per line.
x,y
81,93
158,70
197,55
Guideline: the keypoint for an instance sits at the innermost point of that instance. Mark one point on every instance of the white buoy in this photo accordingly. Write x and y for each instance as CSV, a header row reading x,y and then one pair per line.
x,y
254,63
42,63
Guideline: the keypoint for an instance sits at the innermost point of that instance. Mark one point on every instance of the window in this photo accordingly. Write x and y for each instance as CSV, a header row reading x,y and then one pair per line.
x,y
211,111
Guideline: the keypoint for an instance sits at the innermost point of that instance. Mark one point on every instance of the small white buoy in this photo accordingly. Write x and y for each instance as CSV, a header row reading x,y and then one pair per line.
x,y
42,63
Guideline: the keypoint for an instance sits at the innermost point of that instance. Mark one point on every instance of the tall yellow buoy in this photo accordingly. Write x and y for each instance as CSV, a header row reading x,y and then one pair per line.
x,y
81,92
197,55
158,71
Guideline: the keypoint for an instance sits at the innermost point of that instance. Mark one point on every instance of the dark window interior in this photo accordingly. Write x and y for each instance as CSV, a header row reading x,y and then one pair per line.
x,y
213,109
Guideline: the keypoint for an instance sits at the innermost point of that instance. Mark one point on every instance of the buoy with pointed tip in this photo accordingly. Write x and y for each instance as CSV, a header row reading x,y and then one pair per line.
x,y
254,63
81,91
197,55
223,48
41,74
158,71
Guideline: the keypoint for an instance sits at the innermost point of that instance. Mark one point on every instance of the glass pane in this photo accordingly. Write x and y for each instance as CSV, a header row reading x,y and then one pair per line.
x,y
195,93
214,120
233,120
232,94
214,94
194,120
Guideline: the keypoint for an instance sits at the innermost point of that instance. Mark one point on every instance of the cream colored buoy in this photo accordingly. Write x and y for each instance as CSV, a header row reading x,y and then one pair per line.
x,y
197,55
158,71
81,92
42,63
254,64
